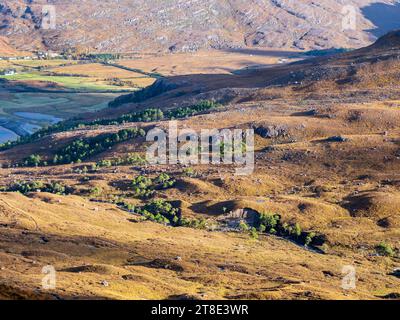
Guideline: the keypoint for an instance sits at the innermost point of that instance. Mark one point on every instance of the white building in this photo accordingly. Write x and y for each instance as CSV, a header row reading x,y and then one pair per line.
x,y
9,72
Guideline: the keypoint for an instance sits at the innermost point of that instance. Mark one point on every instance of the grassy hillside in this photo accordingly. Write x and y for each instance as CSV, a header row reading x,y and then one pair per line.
x,y
102,252
324,193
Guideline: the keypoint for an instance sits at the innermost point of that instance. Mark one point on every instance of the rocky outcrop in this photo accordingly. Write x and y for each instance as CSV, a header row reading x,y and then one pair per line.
x,y
272,132
234,218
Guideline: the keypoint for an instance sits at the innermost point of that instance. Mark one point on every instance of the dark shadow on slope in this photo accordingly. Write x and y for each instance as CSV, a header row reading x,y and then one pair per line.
x,y
264,52
385,17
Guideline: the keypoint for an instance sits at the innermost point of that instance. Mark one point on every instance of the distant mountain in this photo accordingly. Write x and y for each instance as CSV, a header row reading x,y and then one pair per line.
x,y
181,25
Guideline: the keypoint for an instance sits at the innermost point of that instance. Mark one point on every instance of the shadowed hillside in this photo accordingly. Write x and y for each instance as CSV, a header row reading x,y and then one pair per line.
x,y
384,16
346,71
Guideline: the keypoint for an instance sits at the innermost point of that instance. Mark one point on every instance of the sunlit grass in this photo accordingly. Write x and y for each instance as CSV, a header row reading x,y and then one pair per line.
x,y
76,83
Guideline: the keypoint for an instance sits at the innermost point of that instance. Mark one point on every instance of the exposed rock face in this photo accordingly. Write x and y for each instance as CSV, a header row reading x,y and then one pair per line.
x,y
337,139
234,218
271,132
180,25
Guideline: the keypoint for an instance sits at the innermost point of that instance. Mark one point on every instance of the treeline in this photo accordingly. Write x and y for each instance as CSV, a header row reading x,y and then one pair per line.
x,y
130,159
147,115
273,224
82,53
166,213
149,74
59,127
25,187
184,112
155,89
84,148
103,56
144,187
150,115
326,52
160,211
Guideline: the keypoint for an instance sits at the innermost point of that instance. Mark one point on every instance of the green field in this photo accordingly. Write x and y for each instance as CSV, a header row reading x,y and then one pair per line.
x,y
73,83
42,63
32,65
59,89
73,75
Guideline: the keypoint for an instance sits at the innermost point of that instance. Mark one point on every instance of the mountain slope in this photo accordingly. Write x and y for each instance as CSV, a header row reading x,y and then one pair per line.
x,y
6,50
375,67
183,26
104,254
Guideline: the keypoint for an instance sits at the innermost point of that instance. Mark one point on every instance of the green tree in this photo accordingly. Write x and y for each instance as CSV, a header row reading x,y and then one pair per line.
x,y
33,160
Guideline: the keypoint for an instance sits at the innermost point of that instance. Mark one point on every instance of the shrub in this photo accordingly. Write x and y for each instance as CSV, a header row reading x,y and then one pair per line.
x,y
130,159
160,211
243,226
142,187
262,228
38,186
126,206
189,172
33,160
309,238
254,233
296,230
104,163
164,181
55,187
193,223
96,191
385,249
269,222
272,224
133,159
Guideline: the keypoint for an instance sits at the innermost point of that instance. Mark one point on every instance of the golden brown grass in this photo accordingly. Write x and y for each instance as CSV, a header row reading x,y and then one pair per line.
x,y
348,191
89,243
206,62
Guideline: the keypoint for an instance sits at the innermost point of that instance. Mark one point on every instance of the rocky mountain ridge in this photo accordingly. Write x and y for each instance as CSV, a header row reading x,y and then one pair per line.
x,y
130,26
